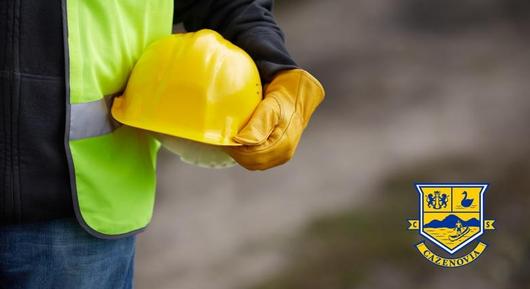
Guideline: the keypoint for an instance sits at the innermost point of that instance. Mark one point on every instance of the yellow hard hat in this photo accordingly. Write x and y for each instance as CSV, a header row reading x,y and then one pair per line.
x,y
196,86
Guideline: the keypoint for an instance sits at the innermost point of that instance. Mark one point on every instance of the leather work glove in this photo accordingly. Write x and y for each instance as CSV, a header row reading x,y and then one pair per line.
x,y
272,134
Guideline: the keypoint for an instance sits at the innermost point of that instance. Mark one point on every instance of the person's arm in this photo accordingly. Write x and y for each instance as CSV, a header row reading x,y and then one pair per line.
x,y
271,136
247,23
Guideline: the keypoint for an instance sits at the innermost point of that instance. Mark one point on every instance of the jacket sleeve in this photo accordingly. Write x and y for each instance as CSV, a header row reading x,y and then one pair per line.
x,y
247,23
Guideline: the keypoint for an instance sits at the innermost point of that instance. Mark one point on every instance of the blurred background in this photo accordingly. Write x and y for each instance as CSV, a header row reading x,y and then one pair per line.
x,y
418,91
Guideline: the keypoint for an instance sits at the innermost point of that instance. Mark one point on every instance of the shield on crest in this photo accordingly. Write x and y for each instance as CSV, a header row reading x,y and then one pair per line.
x,y
451,215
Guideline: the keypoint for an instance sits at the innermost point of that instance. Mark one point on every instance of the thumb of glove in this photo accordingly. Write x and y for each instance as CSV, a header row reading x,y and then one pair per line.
x,y
262,123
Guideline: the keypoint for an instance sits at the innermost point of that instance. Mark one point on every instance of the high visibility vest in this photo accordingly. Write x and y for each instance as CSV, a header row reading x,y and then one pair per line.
x,y
112,168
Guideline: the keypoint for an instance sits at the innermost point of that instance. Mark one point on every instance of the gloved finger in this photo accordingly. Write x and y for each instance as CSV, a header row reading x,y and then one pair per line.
x,y
261,124
271,154
264,161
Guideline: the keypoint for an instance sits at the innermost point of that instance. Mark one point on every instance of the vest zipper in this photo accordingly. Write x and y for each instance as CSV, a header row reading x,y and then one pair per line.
x,y
15,109
7,195
12,197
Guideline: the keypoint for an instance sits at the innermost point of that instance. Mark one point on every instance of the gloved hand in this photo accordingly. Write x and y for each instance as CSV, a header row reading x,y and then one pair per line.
x,y
272,134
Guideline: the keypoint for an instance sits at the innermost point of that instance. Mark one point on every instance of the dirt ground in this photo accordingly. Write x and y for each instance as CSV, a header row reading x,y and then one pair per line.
x,y
398,94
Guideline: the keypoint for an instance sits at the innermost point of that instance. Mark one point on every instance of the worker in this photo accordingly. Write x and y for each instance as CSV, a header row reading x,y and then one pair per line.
x,y
75,187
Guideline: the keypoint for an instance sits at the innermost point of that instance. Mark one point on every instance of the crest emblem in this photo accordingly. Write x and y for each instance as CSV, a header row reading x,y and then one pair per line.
x,y
451,216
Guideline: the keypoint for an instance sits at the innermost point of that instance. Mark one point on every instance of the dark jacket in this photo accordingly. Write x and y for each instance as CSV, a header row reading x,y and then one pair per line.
x,y
33,168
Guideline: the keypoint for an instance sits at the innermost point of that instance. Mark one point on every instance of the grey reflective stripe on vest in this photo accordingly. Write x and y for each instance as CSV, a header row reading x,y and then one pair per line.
x,y
90,119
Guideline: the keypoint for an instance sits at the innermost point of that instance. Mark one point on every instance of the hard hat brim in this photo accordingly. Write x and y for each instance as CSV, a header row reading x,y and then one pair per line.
x,y
172,130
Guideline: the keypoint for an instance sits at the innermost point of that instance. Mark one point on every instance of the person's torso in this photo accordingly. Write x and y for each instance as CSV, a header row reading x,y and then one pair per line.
x,y
33,174
60,60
